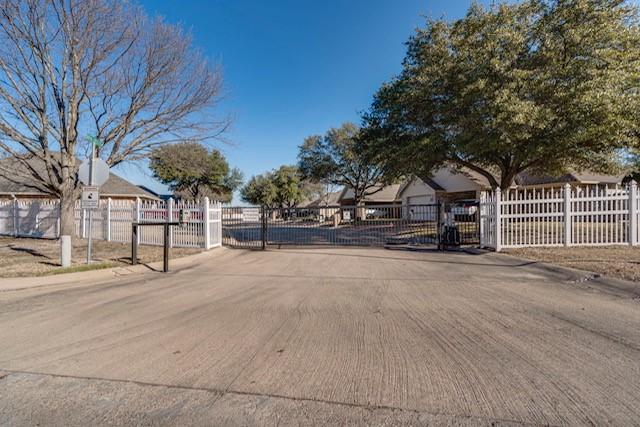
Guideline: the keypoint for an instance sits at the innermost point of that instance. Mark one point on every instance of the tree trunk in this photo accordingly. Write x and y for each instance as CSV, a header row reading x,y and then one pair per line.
x,y
67,215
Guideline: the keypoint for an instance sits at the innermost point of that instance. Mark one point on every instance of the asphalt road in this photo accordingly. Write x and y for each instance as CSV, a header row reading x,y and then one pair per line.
x,y
324,336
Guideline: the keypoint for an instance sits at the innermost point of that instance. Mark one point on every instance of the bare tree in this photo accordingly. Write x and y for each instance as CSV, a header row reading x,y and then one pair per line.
x,y
102,67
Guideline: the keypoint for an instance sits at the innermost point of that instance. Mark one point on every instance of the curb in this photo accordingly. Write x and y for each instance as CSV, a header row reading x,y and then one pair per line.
x,y
101,275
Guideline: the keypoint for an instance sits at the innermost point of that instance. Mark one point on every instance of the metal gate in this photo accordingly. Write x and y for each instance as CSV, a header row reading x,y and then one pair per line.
x,y
243,227
373,225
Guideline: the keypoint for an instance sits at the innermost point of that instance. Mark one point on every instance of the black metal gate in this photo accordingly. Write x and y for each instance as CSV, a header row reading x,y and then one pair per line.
x,y
372,225
243,227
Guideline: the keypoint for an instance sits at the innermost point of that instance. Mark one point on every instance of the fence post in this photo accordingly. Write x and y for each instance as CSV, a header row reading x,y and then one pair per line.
x,y
481,213
137,216
16,217
498,207
206,224
170,219
108,220
83,226
633,213
567,215
58,219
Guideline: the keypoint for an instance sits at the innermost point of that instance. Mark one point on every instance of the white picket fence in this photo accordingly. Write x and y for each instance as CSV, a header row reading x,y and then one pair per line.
x,y
592,215
112,221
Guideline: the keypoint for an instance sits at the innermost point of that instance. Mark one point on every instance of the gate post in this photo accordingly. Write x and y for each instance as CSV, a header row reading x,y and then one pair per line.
x,y
567,215
633,213
16,217
263,228
206,225
83,223
481,213
108,221
498,207
170,218
137,216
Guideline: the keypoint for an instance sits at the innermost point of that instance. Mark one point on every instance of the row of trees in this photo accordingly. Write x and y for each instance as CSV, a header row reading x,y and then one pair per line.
x,y
538,85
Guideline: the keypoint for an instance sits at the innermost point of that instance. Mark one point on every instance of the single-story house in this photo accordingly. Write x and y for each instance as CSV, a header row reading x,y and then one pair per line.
x,y
378,195
116,187
446,184
324,206
529,180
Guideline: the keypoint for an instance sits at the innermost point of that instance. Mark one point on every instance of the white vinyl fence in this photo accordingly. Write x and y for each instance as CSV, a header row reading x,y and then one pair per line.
x,y
593,215
112,221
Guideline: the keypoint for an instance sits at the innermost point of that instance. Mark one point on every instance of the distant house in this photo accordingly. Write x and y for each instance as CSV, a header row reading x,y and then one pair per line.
x,y
116,187
446,184
378,195
529,180
156,194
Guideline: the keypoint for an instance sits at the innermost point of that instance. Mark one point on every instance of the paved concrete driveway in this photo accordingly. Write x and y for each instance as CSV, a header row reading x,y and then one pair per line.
x,y
324,336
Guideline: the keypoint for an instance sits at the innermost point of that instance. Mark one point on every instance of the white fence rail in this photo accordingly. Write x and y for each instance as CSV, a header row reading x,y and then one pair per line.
x,y
112,221
593,215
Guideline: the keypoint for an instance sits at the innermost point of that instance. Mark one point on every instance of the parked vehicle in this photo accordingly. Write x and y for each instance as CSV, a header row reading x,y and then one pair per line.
x,y
464,210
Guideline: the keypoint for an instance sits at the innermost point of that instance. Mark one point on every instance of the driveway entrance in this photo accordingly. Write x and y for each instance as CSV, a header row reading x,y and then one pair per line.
x,y
324,336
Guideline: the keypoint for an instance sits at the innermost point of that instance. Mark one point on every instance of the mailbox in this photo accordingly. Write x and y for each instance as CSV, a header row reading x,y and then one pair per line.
x,y
183,217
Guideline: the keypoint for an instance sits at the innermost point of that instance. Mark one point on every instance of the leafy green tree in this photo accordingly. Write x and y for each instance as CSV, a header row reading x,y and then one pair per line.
x,y
280,188
540,85
337,159
260,190
191,171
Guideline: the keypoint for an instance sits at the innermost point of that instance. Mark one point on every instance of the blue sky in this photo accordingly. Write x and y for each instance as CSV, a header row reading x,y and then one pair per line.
x,y
294,68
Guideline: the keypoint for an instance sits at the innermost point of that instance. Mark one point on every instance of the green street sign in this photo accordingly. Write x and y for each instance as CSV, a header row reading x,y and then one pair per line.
x,y
95,141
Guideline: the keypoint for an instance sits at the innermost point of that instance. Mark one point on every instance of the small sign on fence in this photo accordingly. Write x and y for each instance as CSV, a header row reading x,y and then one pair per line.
x,y
251,215
90,198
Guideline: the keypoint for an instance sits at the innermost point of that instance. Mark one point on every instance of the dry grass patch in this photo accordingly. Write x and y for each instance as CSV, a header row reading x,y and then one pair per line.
x,y
622,262
36,257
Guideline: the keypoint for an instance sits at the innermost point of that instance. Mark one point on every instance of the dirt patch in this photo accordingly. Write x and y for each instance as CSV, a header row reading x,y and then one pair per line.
x,y
622,262
35,257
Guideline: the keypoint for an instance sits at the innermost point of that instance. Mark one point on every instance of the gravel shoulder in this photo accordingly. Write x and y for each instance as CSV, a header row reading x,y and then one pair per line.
x,y
622,262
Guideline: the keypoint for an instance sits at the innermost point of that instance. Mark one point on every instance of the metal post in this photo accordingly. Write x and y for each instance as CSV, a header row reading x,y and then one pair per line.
x,y
567,215
134,243
633,213
263,228
438,225
165,258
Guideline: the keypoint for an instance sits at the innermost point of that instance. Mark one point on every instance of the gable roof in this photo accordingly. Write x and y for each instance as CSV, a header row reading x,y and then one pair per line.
x,y
585,177
115,186
329,199
384,193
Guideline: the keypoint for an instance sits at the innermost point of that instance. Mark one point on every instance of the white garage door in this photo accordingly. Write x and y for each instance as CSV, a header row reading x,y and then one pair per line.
x,y
420,200
417,209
